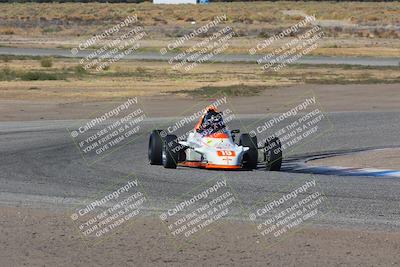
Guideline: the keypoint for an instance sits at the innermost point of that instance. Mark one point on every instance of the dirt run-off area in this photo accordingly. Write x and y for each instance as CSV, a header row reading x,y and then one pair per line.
x,y
38,237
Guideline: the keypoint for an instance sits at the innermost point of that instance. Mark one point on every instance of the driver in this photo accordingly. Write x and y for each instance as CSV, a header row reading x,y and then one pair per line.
x,y
211,121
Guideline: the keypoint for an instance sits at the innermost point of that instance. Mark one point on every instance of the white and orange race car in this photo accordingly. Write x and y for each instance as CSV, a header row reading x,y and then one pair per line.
x,y
212,146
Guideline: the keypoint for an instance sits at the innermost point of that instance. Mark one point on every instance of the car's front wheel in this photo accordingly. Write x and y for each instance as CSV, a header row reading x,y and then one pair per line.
x,y
273,154
155,148
170,152
250,157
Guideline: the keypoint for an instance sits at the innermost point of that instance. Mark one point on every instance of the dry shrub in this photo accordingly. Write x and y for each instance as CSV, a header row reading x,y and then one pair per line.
x,y
7,31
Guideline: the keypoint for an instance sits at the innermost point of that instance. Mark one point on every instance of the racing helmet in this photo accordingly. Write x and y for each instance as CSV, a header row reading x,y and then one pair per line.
x,y
210,109
213,119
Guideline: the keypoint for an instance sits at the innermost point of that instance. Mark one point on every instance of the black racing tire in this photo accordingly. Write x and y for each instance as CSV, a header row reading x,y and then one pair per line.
x,y
182,155
170,152
273,154
155,148
250,157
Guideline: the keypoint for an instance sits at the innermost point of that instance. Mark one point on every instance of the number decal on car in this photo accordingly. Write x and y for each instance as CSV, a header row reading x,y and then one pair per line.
x,y
226,153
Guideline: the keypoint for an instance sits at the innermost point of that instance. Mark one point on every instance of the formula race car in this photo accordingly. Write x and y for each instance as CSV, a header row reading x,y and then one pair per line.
x,y
211,145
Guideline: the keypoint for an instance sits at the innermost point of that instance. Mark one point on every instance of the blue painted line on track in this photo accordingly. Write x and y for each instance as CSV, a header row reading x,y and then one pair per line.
x,y
340,171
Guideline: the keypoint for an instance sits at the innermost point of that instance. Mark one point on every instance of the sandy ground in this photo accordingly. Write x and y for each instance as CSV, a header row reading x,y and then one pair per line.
x,y
381,159
35,237
331,97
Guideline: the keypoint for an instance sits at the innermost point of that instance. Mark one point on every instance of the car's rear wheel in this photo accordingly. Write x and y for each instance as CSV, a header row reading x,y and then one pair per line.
x,y
155,148
250,157
273,154
170,152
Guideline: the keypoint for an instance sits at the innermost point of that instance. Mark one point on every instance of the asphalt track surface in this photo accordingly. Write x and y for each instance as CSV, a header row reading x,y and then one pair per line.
x,y
41,167
363,61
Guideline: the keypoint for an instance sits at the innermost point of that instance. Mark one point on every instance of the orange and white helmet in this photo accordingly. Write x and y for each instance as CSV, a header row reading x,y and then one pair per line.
x,y
211,108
